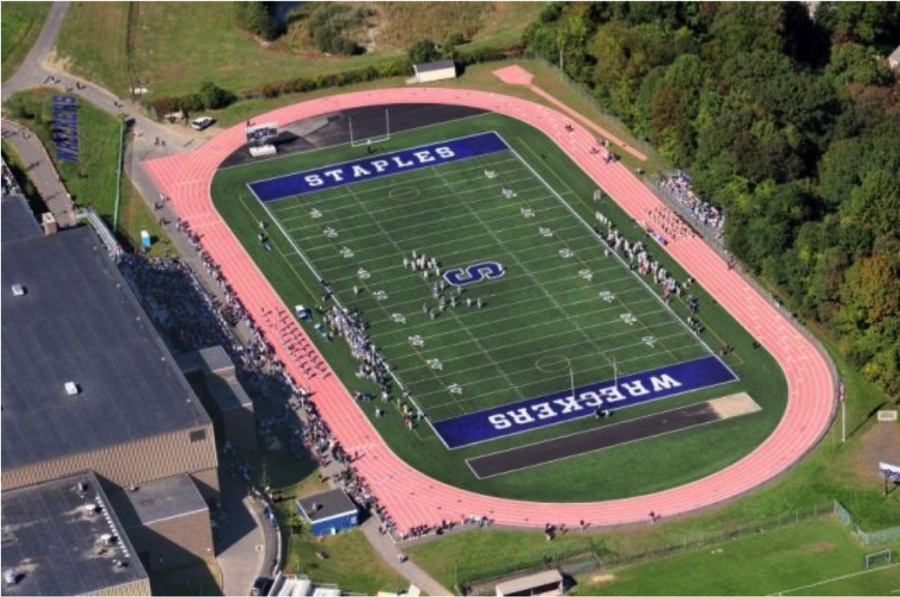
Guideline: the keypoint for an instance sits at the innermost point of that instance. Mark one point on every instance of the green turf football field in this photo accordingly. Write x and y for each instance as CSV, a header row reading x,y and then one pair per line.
x,y
565,303
562,305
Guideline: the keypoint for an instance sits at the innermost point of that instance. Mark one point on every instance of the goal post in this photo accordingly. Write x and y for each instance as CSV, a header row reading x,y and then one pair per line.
x,y
879,558
367,140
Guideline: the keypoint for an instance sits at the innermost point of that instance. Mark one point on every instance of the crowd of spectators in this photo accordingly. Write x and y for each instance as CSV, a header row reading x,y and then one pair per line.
x,y
10,186
190,319
678,186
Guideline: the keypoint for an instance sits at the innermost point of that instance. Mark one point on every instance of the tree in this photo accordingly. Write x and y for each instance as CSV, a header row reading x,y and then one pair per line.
x,y
871,290
876,202
423,51
853,64
254,17
213,97
841,169
871,23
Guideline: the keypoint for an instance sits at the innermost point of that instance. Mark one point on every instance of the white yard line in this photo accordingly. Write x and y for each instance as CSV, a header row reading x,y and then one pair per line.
x,y
533,357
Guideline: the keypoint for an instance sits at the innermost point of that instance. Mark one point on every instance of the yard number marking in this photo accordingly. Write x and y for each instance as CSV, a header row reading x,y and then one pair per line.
x,y
628,318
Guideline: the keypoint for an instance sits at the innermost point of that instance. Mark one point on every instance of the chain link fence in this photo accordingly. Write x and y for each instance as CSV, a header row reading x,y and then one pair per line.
x,y
870,538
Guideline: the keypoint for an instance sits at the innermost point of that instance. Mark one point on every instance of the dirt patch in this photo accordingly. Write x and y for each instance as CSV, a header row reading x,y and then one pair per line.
x,y
602,578
881,443
818,547
734,405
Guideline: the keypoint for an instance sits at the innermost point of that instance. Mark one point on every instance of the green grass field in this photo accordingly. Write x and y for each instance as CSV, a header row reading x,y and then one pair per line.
x,y
818,557
786,559
622,471
21,25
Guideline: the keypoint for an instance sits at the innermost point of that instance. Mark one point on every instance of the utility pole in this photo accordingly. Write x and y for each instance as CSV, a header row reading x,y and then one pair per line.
x,y
843,412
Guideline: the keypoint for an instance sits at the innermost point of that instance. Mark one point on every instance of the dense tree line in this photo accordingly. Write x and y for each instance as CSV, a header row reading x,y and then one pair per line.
x,y
788,121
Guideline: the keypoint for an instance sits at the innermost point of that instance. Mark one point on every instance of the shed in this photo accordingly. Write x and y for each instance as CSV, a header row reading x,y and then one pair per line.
x,y
329,512
434,71
549,582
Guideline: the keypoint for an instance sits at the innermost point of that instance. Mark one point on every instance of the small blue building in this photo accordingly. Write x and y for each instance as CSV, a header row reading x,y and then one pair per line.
x,y
329,512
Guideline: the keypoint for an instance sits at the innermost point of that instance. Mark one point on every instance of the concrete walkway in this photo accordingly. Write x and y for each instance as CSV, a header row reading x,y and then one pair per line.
x,y
31,71
392,555
39,168
246,546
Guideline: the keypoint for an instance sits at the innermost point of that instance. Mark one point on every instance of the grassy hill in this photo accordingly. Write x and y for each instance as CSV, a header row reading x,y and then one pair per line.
x,y
177,46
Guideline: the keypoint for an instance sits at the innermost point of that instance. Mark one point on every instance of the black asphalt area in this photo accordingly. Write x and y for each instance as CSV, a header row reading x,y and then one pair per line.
x,y
608,436
369,121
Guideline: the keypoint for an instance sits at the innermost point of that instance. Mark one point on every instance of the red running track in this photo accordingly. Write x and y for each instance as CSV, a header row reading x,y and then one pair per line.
x,y
411,497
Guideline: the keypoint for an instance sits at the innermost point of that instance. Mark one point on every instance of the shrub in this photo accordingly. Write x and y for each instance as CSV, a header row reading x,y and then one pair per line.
x,y
214,97
330,26
254,17
422,51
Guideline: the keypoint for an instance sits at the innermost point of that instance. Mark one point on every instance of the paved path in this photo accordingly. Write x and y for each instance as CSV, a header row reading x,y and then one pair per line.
x,y
39,168
241,542
413,498
31,71
392,555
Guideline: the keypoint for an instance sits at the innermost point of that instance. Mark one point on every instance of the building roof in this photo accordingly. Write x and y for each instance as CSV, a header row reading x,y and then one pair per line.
x,y
214,360
298,585
895,56
327,505
431,66
526,583
54,544
163,499
229,395
79,322
16,220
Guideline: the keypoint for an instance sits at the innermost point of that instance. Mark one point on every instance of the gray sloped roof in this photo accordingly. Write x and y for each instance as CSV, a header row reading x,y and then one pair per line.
x,y
79,321
430,66
895,55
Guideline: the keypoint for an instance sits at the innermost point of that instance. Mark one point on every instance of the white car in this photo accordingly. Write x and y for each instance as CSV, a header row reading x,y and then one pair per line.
x,y
198,124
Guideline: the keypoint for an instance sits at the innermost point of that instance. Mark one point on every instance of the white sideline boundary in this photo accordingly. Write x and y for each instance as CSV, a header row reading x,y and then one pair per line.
x,y
835,579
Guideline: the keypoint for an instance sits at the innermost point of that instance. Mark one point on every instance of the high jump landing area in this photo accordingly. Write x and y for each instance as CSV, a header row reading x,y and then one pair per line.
x,y
412,498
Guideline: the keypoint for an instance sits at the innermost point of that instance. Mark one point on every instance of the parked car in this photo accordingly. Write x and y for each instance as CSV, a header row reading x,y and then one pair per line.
x,y
202,122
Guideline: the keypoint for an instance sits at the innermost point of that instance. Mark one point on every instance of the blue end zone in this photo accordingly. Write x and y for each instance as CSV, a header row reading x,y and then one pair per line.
x,y
414,158
630,390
